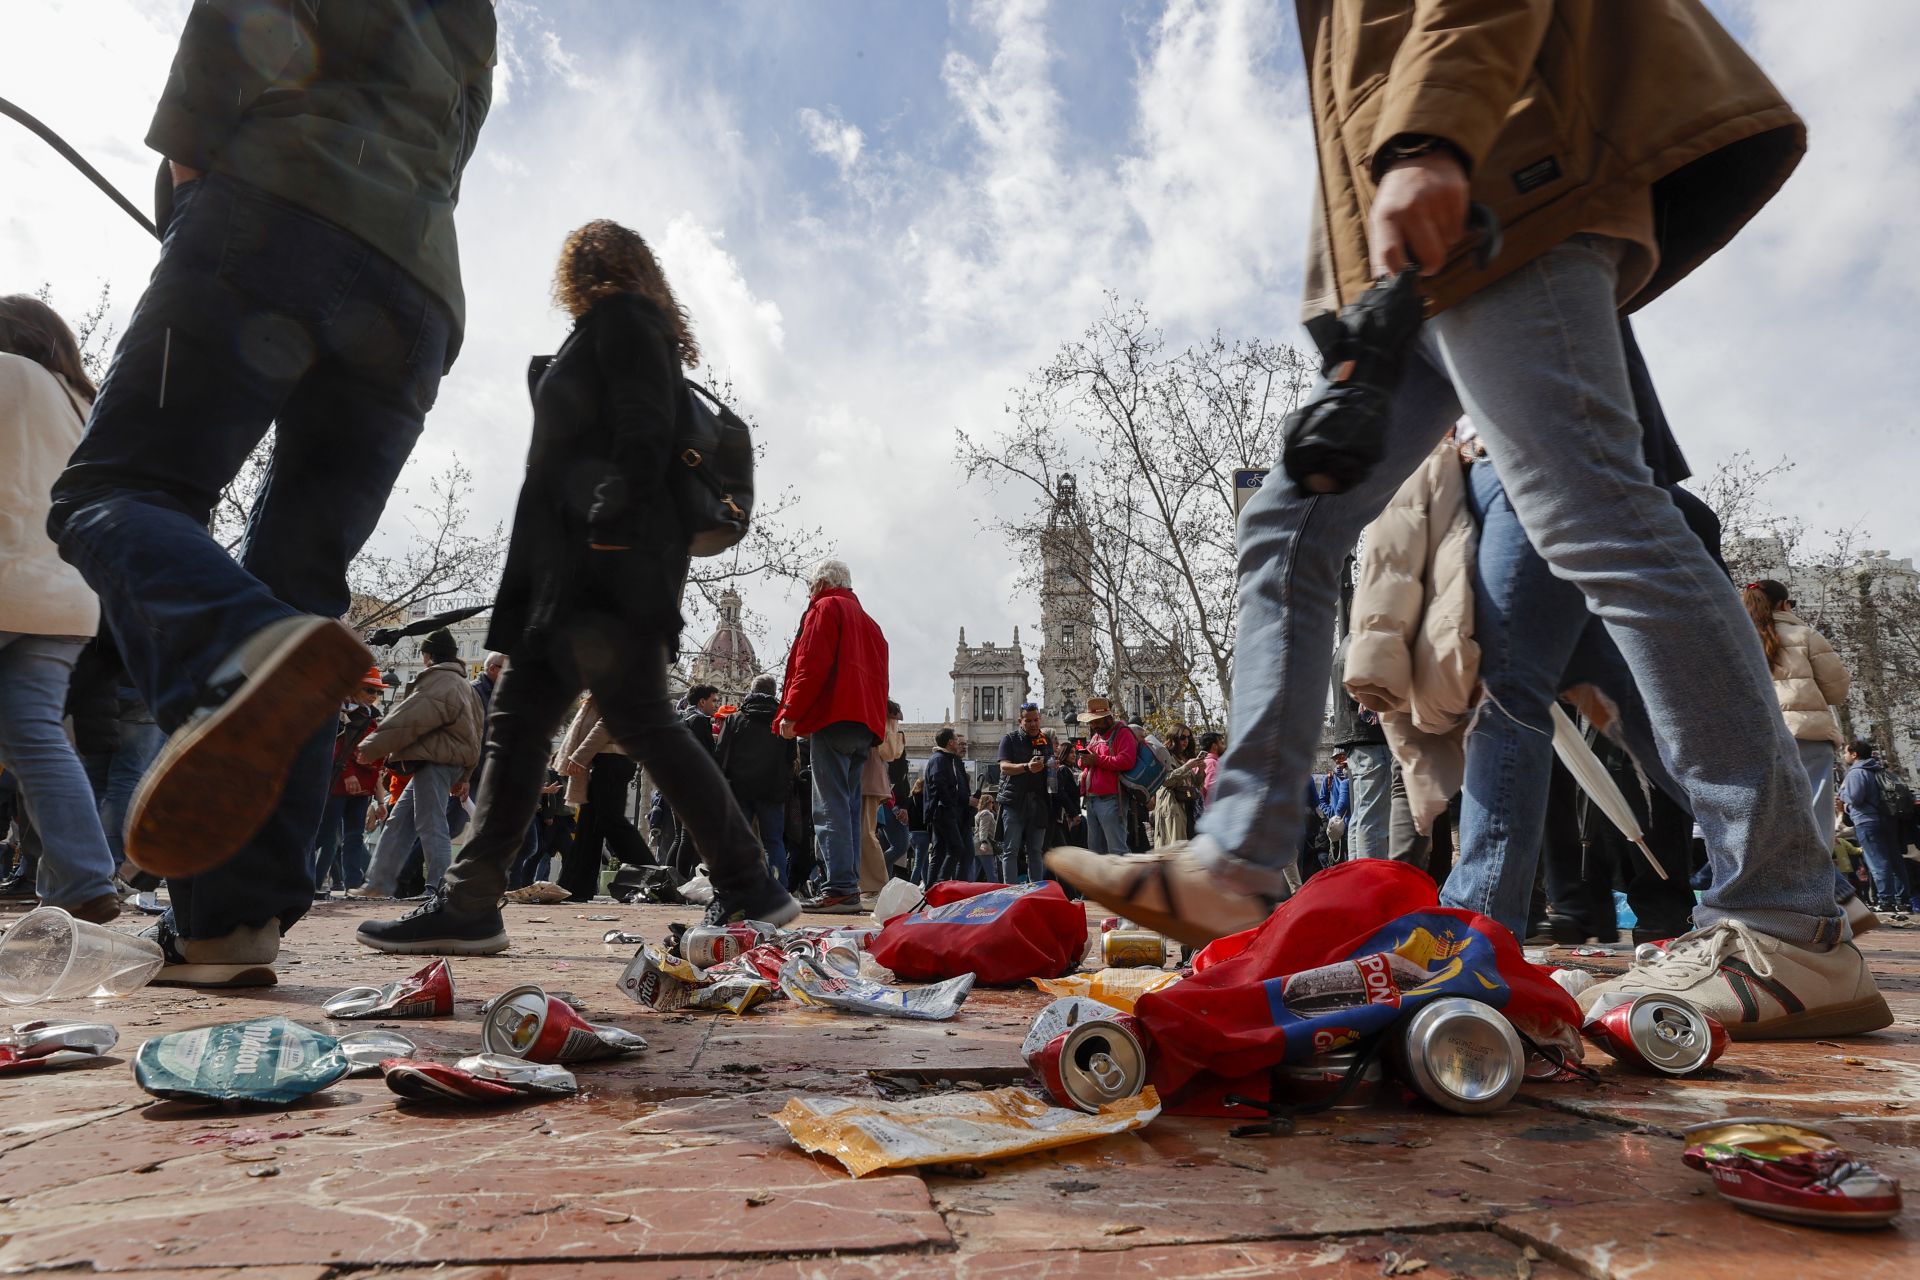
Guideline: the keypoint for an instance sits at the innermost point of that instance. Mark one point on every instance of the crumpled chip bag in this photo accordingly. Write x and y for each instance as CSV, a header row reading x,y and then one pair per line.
x,y
1231,1022
1000,933
865,1134
1120,988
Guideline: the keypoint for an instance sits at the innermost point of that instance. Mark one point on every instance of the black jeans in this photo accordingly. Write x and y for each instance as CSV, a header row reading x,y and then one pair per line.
x,y
627,671
258,313
604,825
952,846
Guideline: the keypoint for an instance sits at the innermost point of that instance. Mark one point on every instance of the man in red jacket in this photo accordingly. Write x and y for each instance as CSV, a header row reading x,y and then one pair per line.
x,y
836,696
1111,751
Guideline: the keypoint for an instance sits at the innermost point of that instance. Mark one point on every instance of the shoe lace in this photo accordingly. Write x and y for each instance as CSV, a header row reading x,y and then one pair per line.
x,y
1702,951
427,907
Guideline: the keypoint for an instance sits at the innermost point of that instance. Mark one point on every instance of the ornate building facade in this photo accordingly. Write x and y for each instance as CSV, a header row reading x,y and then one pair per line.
x,y
727,661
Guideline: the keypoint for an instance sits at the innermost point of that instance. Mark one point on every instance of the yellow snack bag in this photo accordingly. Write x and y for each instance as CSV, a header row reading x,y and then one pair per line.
x,y
1120,988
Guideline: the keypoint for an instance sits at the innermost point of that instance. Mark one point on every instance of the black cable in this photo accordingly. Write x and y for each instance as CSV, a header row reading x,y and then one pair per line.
x,y
79,162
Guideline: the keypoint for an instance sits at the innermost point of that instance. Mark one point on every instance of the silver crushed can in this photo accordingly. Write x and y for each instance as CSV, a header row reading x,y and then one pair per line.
x,y
1460,1054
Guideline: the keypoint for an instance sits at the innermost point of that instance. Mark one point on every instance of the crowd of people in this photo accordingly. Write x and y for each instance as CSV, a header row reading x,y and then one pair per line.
x,y
1526,542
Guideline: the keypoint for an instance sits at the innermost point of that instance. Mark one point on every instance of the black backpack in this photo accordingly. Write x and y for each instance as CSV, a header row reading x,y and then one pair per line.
x,y
1896,798
711,474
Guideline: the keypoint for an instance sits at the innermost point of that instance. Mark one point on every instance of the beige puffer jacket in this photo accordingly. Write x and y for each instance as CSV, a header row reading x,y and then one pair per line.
x,y
41,420
586,738
437,723
1411,655
1809,680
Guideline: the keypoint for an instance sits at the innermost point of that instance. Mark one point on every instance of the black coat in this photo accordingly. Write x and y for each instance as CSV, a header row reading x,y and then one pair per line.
x,y
604,412
757,761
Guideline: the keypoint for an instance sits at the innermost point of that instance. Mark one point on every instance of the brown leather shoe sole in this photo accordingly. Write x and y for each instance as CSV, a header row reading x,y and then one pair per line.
x,y
218,780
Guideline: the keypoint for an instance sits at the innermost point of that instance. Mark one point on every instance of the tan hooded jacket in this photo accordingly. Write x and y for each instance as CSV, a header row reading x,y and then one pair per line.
x,y
1568,113
1411,654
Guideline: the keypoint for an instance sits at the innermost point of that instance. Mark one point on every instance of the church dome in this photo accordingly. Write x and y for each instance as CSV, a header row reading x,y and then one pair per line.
x,y
727,659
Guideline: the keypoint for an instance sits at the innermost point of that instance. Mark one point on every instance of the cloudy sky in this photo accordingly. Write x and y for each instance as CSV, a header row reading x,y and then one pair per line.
x,y
883,215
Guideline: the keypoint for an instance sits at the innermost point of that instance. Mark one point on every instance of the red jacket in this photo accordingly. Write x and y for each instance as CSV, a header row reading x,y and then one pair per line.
x,y
1110,755
837,669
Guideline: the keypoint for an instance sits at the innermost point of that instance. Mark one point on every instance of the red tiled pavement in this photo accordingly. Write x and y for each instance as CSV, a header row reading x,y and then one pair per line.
x,y
649,1172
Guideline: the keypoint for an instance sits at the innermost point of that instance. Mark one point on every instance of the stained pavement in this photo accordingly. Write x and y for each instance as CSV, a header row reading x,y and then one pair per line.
x,y
669,1165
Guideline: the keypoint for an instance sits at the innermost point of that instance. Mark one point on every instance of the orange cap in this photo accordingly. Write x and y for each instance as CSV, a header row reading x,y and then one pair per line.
x,y
372,679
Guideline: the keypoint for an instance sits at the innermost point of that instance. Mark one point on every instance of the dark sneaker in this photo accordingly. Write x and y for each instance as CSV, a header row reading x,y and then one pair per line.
x,y
839,904
242,958
434,928
101,910
296,673
770,905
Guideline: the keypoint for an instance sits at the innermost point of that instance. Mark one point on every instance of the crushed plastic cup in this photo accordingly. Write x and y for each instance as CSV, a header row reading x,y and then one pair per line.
x,y
49,955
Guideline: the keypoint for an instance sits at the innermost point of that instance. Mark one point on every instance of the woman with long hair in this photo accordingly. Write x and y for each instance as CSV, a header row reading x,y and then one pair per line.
x,y
590,598
47,611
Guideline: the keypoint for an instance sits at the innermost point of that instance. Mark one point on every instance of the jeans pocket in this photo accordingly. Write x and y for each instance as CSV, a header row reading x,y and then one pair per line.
x,y
289,262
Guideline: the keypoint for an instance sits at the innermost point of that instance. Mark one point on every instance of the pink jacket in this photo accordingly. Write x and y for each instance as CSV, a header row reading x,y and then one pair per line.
x,y
1110,756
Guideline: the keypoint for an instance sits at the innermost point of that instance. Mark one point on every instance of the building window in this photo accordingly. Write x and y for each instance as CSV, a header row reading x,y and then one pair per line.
x,y
1067,634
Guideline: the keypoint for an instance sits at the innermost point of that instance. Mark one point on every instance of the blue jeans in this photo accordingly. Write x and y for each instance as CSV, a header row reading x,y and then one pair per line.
x,y
75,864
1536,358
920,841
1536,638
1880,843
771,818
116,775
419,814
342,849
257,314
893,834
1367,829
1024,839
839,753
951,848
1107,823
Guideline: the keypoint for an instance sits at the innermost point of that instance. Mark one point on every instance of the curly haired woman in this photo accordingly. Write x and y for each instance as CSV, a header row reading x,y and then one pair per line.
x,y
591,598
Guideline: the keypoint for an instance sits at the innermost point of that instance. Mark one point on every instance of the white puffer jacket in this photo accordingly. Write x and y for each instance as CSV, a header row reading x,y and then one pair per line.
x,y
1809,680
41,420
1411,655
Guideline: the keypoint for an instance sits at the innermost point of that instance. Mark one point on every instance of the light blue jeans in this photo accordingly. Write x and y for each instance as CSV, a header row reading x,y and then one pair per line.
x,y
1371,765
1107,824
839,754
419,814
75,864
1536,359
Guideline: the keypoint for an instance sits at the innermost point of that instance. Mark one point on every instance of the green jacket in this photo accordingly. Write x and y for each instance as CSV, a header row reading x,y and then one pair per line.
x,y
364,113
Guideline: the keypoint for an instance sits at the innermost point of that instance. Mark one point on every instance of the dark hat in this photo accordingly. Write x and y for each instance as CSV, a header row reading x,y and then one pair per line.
x,y
440,644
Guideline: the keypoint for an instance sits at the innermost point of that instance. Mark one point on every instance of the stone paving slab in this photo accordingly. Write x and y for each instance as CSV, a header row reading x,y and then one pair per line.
x,y
668,1163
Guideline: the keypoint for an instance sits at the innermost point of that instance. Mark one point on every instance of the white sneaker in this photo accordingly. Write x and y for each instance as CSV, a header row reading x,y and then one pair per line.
x,y
1758,986
1169,890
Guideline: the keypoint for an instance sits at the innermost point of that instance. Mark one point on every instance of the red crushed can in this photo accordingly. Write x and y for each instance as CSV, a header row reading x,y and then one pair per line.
x,y
1658,1033
528,1023
426,994
1087,1055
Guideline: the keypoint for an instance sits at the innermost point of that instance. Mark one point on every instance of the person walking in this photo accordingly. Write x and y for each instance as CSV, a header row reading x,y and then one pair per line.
x,y
1358,731
1418,109
309,280
590,598
432,736
758,764
835,694
1869,791
340,854
47,610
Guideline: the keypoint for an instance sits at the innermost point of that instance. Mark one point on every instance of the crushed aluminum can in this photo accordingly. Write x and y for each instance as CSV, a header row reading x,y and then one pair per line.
x,y
763,962
623,938
706,945
267,1060
1460,1054
366,1050
1133,949
426,994
1321,1077
1657,1033
659,981
1087,1055
528,1023
1792,1172
481,1079
814,982
31,1046
1648,952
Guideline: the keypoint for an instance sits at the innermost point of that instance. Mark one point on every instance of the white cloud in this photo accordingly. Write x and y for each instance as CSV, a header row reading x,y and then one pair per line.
x,y
830,136
741,335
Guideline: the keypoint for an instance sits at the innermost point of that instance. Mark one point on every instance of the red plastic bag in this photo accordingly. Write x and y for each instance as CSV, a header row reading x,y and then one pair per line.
x,y
1230,1020
1000,933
